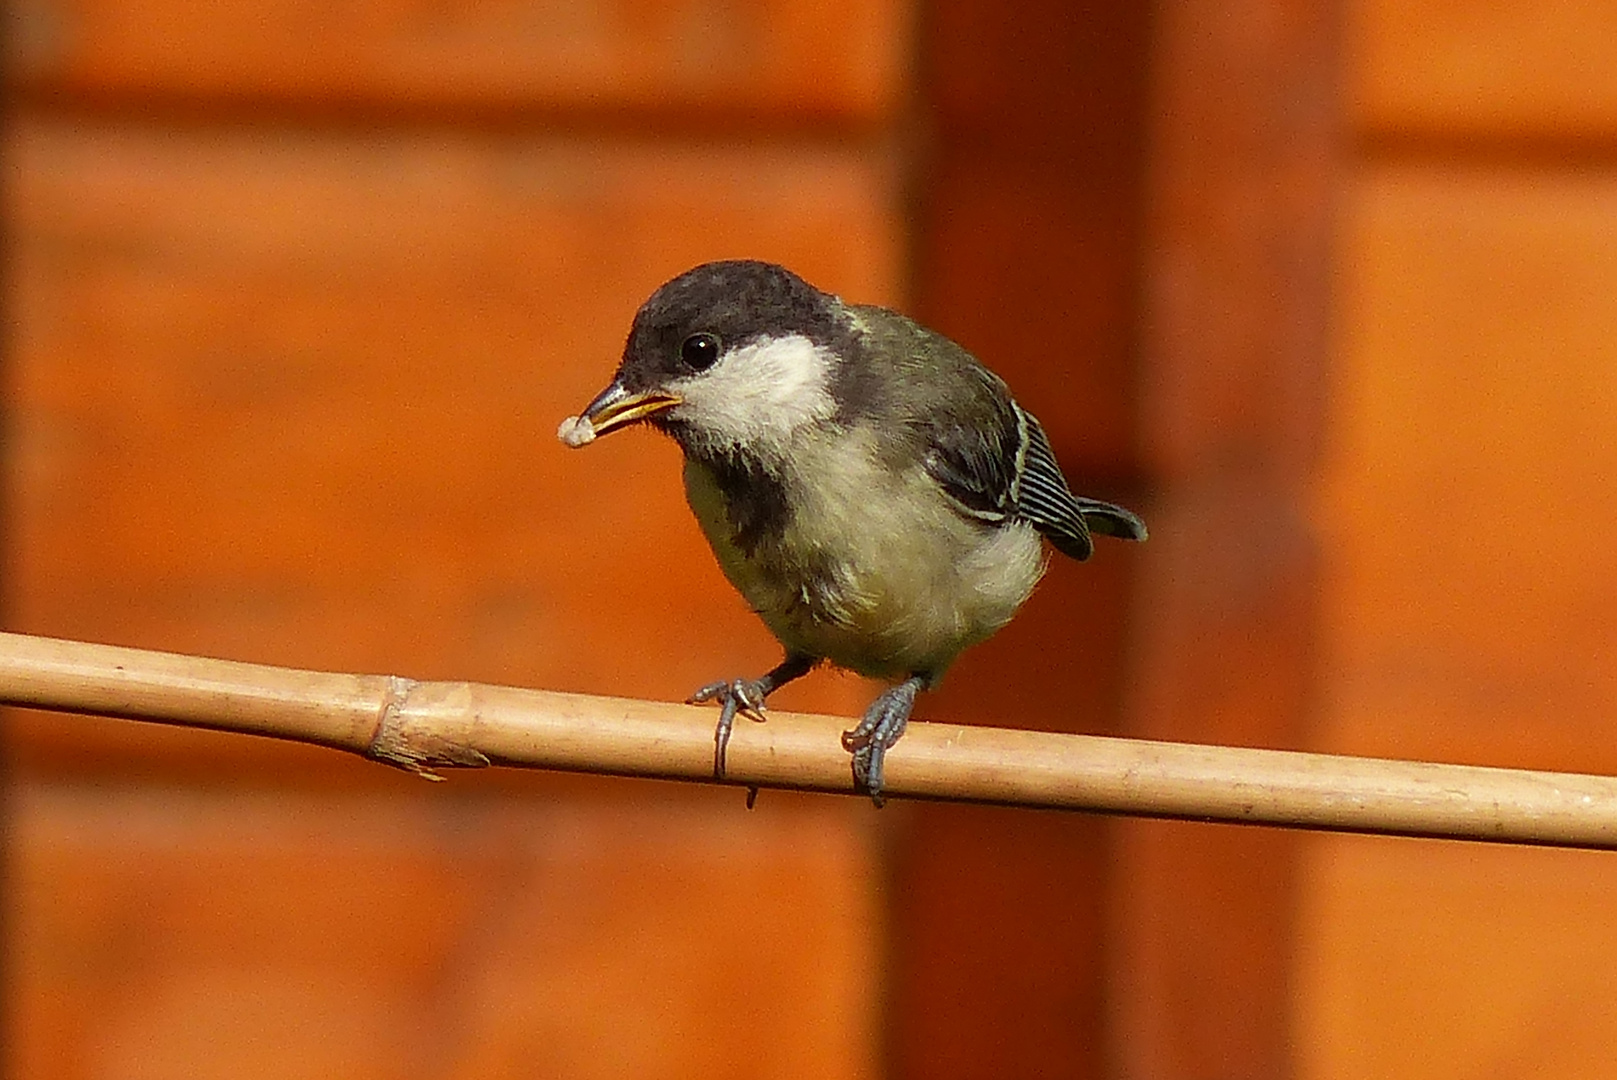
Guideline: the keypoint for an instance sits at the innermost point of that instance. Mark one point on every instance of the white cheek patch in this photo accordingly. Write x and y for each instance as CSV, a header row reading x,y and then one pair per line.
x,y
759,393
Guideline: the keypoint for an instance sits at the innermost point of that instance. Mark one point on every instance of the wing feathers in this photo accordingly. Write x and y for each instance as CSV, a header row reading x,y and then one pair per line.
x,y
1043,498
1010,471
993,461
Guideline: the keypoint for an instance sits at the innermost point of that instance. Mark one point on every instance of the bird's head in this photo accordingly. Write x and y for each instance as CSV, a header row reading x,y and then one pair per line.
x,y
729,355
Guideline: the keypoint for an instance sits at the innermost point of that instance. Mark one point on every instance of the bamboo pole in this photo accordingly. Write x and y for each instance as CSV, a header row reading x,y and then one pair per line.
x,y
425,726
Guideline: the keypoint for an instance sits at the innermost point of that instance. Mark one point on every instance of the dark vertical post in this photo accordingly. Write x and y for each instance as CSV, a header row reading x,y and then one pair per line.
x,y
1027,232
1125,210
1233,341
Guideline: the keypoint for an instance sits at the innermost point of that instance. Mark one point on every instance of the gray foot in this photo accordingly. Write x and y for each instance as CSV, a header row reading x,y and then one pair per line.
x,y
747,696
735,696
882,726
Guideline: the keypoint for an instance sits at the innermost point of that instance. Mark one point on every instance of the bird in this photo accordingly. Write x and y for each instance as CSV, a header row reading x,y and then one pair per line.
x,y
875,493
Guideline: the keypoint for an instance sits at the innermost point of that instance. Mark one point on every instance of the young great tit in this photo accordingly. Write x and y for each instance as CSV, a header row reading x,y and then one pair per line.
x,y
872,490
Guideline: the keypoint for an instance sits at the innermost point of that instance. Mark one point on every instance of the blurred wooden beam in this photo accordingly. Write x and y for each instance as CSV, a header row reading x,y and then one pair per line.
x,y
1235,279
1029,188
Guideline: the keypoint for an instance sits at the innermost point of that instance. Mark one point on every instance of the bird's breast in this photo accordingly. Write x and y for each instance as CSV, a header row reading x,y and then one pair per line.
x,y
847,557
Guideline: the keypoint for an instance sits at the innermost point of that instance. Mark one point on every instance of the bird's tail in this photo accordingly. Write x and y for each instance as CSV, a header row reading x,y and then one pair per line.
x,y
1110,520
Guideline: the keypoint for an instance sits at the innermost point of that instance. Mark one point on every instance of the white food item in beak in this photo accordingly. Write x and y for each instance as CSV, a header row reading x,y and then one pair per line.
x,y
576,431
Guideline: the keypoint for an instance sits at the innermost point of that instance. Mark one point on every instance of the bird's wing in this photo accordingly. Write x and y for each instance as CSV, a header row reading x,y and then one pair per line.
x,y
1042,495
972,473
1004,468
989,456
973,453
1044,499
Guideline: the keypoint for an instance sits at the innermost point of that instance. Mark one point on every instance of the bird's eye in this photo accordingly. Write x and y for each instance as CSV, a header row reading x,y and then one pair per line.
x,y
699,351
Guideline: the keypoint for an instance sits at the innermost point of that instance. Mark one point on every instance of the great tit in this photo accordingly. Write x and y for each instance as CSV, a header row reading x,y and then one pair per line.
x,y
873,491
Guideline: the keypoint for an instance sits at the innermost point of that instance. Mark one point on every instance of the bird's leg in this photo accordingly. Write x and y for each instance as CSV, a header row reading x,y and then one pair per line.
x,y
882,726
746,696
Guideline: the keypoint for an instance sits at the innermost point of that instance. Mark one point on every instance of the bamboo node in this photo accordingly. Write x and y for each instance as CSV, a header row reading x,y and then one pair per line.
x,y
404,741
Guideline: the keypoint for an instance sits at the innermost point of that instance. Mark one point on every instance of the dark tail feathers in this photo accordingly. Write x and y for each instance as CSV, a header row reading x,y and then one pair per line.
x,y
1070,534
1109,520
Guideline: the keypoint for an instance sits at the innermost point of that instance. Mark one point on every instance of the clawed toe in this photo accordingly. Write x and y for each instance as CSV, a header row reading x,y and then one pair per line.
x,y
734,696
747,696
867,773
741,691
882,726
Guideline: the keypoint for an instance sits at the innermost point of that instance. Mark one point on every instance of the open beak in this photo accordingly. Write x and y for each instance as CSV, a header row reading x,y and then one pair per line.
x,y
613,408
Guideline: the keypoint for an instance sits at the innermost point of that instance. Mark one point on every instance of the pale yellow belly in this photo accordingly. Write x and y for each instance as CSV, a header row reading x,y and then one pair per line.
x,y
877,573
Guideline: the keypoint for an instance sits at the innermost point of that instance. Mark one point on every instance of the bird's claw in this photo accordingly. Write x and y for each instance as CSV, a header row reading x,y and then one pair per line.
x,y
743,696
882,726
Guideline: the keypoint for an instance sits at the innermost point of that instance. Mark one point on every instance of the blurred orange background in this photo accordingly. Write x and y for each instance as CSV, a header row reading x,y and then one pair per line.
x,y
296,296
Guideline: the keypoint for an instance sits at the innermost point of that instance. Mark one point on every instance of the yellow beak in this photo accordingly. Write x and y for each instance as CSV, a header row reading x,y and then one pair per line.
x,y
615,407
